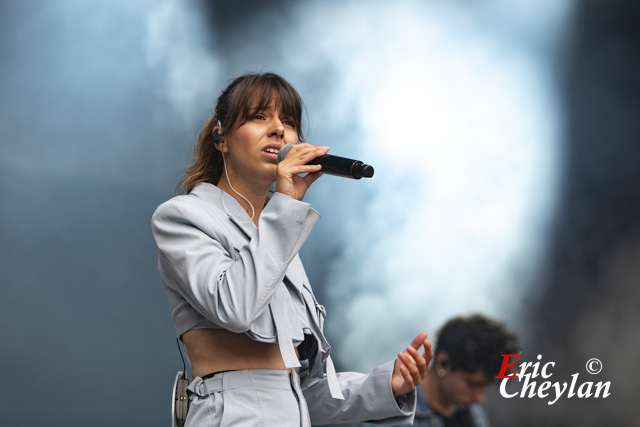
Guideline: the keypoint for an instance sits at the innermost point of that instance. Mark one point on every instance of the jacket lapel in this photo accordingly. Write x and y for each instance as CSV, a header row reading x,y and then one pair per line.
x,y
213,195
234,211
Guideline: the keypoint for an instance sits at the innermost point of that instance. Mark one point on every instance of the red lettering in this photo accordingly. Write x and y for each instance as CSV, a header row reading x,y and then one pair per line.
x,y
506,364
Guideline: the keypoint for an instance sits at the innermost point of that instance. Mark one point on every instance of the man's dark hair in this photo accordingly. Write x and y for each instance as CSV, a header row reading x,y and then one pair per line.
x,y
475,343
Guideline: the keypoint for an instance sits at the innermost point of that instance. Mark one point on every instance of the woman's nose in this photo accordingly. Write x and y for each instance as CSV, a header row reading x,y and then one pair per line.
x,y
277,128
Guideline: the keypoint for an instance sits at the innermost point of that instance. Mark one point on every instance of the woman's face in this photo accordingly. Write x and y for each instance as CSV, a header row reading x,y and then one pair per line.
x,y
251,149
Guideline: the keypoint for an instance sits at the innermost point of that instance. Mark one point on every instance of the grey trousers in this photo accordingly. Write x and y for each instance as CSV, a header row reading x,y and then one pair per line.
x,y
254,397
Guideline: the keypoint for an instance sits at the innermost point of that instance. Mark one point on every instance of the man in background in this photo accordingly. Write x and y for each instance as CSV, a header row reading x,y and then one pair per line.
x,y
467,358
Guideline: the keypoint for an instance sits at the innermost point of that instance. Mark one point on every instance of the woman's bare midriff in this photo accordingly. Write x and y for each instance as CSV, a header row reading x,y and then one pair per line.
x,y
213,350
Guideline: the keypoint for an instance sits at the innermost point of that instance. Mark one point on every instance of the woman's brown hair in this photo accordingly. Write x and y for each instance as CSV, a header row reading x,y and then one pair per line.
x,y
244,96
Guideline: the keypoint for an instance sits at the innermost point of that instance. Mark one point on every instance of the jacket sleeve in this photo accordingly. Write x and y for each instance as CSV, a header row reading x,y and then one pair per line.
x,y
228,285
366,398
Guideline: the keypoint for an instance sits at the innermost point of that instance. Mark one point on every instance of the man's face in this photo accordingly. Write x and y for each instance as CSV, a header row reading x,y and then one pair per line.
x,y
463,389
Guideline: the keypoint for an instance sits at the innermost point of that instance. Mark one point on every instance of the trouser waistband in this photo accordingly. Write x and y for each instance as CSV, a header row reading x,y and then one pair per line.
x,y
247,378
206,377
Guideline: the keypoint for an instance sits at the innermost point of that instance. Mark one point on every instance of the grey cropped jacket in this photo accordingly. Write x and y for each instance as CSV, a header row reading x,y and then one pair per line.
x,y
221,271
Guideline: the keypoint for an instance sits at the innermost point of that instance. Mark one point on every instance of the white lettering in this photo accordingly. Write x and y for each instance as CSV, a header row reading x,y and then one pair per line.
x,y
503,389
573,385
523,369
544,369
535,367
528,372
600,386
531,387
587,392
559,392
545,385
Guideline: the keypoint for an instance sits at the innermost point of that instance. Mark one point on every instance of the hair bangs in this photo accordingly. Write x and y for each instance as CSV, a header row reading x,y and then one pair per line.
x,y
257,92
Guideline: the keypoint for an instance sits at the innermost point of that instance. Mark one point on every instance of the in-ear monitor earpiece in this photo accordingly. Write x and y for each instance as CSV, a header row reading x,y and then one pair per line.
x,y
217,134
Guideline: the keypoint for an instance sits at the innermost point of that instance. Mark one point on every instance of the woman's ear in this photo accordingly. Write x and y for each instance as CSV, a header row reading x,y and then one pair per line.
x,y
218,138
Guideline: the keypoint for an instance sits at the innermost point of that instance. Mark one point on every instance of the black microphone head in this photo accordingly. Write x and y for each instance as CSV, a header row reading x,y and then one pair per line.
x,y
283,151
360,170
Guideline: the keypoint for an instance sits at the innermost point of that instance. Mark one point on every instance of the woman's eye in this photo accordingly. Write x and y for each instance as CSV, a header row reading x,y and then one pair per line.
x,y
289,123
258,117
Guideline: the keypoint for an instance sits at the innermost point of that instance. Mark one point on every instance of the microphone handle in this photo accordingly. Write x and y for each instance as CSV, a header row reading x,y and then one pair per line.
x,y
340,166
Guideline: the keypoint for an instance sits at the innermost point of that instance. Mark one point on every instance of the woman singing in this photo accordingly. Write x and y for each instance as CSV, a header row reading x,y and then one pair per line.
x,y
239,296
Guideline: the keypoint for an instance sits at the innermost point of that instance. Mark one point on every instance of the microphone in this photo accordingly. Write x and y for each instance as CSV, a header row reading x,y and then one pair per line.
x,y
334,165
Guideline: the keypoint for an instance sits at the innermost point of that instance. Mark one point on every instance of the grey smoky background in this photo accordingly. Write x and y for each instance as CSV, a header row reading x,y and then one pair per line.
x,y
504,140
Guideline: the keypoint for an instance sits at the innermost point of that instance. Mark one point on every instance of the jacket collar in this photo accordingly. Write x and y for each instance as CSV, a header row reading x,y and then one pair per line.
x,y
214,196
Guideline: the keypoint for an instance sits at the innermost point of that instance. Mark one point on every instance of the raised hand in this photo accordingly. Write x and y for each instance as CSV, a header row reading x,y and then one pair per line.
x,y
411,366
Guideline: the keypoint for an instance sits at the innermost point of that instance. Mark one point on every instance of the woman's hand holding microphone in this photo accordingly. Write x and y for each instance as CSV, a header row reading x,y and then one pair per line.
x,y
289,182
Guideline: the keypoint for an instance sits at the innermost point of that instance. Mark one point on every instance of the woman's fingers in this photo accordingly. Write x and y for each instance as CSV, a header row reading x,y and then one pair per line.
x,y
414,365
294,164
419,340
408,378
311,177
301,154
421,363
411,366
428,351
